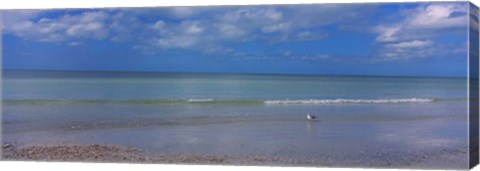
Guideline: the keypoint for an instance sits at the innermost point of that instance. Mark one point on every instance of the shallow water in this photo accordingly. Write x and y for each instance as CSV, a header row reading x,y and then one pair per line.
x,y
361,119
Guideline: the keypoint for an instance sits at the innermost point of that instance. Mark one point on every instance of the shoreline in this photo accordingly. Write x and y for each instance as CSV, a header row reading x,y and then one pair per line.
x,y
98,153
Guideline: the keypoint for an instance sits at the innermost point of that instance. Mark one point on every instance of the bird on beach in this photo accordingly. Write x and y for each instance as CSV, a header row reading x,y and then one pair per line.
x,y
311,117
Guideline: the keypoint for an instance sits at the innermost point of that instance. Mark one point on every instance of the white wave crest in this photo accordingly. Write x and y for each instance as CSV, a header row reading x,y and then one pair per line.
x,y
342,101
199,100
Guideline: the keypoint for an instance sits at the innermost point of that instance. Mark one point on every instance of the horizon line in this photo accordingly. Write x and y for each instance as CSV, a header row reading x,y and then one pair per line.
x,y
236,73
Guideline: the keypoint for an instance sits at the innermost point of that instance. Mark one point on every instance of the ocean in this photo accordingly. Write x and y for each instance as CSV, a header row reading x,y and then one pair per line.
x,y
361,120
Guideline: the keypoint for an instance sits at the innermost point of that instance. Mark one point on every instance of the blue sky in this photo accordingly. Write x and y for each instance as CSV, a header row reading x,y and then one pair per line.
x,y
408,39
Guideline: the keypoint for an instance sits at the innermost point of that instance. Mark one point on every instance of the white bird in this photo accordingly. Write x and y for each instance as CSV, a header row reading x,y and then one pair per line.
x,y
311,117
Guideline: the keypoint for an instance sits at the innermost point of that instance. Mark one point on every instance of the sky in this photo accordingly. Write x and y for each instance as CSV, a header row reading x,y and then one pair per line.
x,y
401,39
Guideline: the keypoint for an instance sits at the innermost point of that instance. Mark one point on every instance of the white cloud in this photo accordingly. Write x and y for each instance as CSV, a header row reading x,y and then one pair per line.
x,y
185,34
438,16
84,25
10,17
214,29
411,44
230,30
176,42
182,12
217,27
415,35
424,22
192,27
256,14
209,33
159,25
306,35
124,26
276,27
387,33
83,29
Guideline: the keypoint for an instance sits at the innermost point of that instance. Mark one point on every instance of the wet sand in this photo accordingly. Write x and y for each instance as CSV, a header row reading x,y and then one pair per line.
x,y
444,159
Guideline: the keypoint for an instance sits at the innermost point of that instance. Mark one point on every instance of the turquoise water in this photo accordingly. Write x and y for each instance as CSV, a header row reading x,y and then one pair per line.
x,y
177,86
239,115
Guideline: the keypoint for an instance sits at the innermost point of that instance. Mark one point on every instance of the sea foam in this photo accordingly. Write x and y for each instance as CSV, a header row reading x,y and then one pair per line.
x,y
211,101
199,100
342,101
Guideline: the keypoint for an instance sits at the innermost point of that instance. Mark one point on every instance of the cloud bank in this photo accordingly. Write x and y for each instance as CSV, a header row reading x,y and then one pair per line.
x,y
414,33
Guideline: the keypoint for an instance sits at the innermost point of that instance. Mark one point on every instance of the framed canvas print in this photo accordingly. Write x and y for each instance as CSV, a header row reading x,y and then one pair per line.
x,y
359,85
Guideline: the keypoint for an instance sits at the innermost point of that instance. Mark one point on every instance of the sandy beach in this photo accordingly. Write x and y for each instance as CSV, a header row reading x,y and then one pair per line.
x,y
445,159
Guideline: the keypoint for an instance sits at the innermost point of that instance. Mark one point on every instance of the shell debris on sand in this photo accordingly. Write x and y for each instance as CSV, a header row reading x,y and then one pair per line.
x,y
113,153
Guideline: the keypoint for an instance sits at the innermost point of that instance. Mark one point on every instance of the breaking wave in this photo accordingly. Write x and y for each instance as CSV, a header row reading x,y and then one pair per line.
x,y
342,101
210,101
199,100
